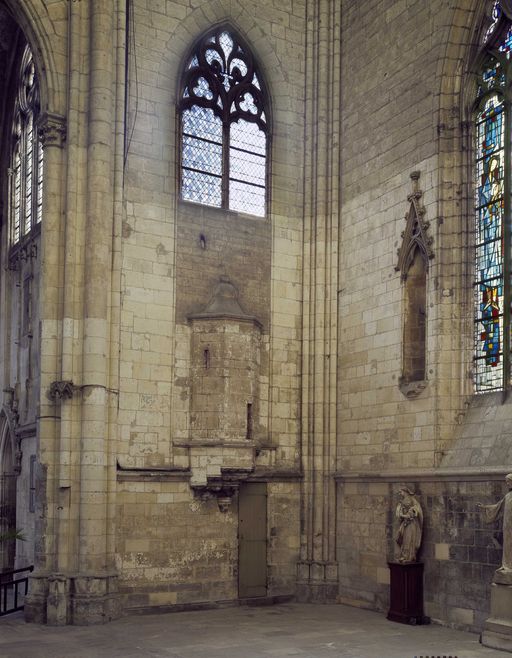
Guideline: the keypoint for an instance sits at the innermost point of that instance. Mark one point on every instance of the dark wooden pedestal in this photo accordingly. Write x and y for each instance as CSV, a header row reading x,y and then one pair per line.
x,y
406,593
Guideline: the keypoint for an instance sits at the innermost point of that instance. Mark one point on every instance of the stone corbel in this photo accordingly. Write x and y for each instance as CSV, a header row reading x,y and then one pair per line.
x,y
221,491
22,254
62,390
412,390
52,130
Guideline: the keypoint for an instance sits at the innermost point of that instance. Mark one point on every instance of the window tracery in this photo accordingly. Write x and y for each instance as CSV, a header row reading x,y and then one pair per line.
x,y
224,127
26,170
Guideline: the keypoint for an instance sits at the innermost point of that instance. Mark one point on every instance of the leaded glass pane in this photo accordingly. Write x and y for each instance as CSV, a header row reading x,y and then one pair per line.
x,y
201,188
16,197
492,76
202,155
506,46
27,155
489,246
223,127
202,122
39,213
495,15
248,135
247,169
246,198
29,168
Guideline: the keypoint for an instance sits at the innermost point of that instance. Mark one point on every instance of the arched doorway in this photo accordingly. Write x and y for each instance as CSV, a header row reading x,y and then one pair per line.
x,y
7,495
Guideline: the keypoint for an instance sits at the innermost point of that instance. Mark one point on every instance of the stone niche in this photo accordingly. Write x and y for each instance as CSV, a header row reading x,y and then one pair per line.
x,y
225,371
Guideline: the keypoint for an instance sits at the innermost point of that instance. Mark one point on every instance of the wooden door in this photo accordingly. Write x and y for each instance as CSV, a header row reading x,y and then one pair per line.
x,y
252,540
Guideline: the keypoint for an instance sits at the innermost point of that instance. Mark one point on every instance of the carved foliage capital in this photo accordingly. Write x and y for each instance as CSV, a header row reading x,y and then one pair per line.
x,y
52,130
61,390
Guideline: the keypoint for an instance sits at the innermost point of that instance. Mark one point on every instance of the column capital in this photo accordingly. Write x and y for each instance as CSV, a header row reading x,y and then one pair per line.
x,y
52,129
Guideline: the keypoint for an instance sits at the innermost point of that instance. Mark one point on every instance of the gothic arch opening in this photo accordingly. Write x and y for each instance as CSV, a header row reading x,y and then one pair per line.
x,y
7,496
414,332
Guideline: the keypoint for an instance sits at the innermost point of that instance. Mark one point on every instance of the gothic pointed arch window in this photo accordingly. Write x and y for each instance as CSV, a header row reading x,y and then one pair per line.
x,y
493,171
223,110
26,158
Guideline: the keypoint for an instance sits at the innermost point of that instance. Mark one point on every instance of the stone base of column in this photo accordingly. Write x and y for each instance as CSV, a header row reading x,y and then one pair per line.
x,y
80,600
497,631
317,582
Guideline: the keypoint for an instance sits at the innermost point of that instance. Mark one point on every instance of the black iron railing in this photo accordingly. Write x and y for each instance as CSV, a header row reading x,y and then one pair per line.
x,y
13,589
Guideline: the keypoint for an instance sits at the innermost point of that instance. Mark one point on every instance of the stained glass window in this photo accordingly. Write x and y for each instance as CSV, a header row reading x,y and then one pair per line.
x,y
26,170
492,211
224,132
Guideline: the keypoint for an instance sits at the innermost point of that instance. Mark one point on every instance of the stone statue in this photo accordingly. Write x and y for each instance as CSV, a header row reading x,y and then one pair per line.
x,y
410,514
502,509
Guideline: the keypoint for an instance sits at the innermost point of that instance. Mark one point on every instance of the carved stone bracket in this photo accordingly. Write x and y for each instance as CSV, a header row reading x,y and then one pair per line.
x,y
62,390
21,254
415,234
52,130
412,390
222,491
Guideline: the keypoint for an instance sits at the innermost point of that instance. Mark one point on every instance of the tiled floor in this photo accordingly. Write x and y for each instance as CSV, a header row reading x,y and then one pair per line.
x,y
307,631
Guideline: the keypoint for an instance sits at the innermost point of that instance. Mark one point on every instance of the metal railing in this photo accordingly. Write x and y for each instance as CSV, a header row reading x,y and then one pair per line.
x,y
13,590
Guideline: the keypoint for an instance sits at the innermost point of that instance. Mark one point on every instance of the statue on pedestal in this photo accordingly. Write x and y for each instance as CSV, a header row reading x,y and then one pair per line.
x,y
410,514
502,509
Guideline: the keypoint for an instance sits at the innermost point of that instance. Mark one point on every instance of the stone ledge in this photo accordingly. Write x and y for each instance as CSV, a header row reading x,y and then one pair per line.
x,y
210,605
426,474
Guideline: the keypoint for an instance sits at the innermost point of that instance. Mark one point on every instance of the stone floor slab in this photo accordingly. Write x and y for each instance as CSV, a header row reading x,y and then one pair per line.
x,y
301,630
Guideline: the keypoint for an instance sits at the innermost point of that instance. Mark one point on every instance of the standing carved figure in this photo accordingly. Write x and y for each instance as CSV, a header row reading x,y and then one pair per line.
x,y
502,509
410,514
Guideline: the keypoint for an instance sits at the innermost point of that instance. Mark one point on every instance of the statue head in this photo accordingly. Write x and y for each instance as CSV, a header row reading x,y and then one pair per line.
x,y
405,493
508,480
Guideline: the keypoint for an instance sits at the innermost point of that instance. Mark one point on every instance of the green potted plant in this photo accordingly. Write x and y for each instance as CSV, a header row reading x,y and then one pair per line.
x,y
12,534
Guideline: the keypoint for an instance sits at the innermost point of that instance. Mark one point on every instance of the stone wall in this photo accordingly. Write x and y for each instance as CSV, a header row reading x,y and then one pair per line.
x,y
176,411
384,140
132,483
406,98
186,551
459,550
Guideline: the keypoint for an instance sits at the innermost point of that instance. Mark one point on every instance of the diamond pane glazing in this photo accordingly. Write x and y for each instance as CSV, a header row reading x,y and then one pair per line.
x,y
202,155
16,198
223,127
247,167
201,188
202,122
247,135
40,161
246,198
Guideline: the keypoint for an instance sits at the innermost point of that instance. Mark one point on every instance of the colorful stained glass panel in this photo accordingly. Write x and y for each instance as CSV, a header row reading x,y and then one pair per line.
x,y
495,15
489,246
506,45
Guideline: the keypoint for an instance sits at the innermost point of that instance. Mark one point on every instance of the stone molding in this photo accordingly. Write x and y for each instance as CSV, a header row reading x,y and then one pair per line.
x,y
224,305
477,474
